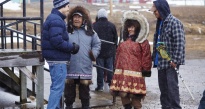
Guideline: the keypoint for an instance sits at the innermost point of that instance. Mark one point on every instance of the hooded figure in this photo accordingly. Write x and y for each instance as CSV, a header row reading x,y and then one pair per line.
x,y
80,69
170,32
133,60
106,31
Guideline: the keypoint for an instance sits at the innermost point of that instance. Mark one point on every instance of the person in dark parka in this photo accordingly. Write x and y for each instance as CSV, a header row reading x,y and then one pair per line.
x,y
107,32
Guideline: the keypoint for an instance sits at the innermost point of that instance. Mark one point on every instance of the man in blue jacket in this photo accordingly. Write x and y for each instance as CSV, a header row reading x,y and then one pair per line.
x,y
56,50
170,31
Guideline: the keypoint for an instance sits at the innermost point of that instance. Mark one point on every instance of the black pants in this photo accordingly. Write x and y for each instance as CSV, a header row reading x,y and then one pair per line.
x,y
70,92
168,85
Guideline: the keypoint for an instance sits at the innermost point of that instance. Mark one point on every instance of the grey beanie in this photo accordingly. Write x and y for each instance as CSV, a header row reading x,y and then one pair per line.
x,y
102,13
59,3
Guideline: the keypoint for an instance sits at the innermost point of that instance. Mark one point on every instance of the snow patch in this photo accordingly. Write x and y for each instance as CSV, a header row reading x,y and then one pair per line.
x,y
11,5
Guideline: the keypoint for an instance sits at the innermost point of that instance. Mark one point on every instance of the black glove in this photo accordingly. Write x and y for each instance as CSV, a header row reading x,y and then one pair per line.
x,y
146,73
75,48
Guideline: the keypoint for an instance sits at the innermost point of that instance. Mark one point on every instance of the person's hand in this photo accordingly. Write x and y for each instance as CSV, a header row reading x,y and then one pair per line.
x,y
75,48
91,55
173,64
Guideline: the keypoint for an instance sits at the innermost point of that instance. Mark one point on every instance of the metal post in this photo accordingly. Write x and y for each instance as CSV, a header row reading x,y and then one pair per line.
x,y
2,33
24,25
41,14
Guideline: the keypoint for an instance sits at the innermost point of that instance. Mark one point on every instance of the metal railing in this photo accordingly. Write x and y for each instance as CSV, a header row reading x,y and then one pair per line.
x,y
13,34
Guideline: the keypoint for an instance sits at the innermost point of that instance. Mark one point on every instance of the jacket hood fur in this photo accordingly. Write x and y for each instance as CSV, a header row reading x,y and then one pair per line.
x,y
87,23
135,15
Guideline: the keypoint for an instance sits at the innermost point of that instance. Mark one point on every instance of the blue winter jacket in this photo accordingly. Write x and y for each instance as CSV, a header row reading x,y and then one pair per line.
x,y
55,42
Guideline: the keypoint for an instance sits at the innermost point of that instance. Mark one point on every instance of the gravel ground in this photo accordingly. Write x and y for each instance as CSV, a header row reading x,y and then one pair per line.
x,y
192,72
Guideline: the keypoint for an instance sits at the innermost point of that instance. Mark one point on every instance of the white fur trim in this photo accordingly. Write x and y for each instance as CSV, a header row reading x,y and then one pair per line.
x,y
135,15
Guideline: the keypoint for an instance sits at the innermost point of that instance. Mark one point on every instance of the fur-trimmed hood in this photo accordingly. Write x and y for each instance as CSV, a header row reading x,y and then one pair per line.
x,y
135,15
87,23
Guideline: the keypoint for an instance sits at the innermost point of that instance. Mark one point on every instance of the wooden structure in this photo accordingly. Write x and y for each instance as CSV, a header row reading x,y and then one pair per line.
x,y
20,59
15,53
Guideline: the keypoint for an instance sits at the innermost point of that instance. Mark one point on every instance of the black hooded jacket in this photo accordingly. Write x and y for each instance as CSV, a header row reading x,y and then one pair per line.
x,y
106,31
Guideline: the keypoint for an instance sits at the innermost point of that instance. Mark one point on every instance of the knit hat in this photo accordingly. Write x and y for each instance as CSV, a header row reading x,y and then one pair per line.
x,y
59,3
102,13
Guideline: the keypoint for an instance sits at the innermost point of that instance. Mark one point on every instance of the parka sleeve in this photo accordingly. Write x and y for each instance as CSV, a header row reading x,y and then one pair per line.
x,y
96,45
146,56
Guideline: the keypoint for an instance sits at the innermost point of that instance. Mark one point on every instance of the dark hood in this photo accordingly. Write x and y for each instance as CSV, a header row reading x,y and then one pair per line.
x,y
163,8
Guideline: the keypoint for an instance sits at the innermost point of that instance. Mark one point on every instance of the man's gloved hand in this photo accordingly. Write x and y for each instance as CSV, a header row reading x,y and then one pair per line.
x,y
91,55
75,48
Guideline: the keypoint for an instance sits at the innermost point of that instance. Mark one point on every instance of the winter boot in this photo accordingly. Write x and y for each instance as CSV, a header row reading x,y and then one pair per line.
x,y
127,106
85,103
69,107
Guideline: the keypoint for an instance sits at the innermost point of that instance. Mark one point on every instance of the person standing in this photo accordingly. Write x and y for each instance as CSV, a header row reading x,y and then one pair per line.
x,y
57,50
170,31
133,60
107,32
80,70
202,102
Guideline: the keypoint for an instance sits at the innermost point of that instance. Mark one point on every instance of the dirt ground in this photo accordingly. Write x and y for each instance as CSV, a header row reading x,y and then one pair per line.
x,y
193,18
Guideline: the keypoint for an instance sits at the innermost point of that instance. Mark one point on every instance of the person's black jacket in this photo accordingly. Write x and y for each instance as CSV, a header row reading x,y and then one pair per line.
x,y
106,31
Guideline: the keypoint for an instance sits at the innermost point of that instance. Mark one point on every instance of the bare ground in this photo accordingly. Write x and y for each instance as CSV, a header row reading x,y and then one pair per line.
x,y
193,18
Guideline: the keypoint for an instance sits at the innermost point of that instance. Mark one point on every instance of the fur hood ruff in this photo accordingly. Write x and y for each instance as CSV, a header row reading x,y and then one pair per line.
x,y
87,23
135,15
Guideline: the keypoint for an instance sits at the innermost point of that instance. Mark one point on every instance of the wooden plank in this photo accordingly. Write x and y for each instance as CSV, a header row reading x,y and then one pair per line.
x,y
23,94
40,88
10,83
15,58
11,74
28,74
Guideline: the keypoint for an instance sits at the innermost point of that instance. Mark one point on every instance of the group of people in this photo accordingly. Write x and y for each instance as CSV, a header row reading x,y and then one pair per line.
x,y
70,48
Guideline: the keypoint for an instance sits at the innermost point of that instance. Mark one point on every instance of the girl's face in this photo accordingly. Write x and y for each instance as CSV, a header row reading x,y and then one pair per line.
x,y
131,30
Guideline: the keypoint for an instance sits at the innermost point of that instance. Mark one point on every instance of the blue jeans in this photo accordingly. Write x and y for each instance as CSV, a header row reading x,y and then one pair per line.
x,y
168,85
106,63
58,75
202,102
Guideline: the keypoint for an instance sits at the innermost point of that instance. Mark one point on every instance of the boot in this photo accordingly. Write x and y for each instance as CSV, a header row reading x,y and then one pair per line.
x,y
127,106
85,103
69,107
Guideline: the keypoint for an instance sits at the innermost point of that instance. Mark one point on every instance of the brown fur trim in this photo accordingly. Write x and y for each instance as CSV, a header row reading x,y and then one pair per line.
x,y
69,81
86,19
86,82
